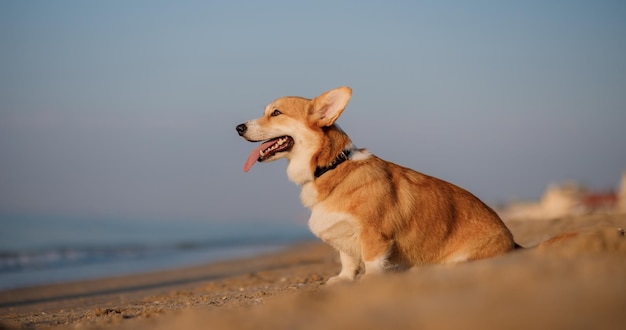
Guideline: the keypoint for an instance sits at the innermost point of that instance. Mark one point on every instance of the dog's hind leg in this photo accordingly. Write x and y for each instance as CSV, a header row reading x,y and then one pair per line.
x,y
375,250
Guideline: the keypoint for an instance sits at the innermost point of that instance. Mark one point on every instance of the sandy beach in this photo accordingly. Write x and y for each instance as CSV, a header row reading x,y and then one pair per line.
x,y
575,284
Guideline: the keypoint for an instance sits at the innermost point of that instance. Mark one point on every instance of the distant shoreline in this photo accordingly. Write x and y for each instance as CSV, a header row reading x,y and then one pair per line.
x,y
284,290
58,250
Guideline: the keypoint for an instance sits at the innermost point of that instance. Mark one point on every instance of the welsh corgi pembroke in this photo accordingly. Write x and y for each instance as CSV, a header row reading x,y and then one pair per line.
x,y
379,216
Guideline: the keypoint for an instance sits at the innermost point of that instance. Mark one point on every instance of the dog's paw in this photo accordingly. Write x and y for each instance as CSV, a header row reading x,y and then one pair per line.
x,y
370,277
339,279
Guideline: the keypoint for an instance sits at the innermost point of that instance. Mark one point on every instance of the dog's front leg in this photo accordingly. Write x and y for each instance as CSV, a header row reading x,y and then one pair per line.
x,y
340,231
350,266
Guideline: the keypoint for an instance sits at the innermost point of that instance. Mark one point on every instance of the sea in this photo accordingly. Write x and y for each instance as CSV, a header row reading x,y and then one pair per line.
x,y
37,250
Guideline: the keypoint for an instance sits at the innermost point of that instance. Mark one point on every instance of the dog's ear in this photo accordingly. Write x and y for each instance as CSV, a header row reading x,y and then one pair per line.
x,y
328,106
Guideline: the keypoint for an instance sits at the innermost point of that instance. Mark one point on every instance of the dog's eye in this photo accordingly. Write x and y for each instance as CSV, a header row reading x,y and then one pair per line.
x,y
276,113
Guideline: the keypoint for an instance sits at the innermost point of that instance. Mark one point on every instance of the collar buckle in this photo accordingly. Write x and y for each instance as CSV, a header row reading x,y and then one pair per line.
x,y
342,157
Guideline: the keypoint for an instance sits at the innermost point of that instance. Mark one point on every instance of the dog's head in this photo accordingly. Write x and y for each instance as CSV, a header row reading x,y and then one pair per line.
x,y
291,126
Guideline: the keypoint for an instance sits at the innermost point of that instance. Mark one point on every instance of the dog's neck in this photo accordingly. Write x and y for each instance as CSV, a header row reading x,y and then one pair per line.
x,y
319,151
342,157
335,148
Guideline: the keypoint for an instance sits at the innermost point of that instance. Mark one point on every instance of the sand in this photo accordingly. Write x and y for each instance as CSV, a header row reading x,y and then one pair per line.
x,y
579,283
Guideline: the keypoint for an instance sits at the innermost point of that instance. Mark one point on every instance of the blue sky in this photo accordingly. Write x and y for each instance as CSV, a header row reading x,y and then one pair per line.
x,y
128,109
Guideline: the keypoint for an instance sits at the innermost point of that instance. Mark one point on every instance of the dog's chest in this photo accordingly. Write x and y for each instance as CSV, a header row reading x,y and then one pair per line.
x,y
335,228
331,226
308,195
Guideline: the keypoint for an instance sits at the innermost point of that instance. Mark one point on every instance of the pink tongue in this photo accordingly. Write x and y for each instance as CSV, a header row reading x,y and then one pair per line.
x,y
254,155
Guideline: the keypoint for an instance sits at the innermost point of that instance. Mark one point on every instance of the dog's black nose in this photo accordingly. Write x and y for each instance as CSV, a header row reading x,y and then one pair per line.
x,y
241,129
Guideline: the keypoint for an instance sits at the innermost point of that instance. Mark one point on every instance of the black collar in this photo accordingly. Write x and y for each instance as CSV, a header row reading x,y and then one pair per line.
x,y
342,157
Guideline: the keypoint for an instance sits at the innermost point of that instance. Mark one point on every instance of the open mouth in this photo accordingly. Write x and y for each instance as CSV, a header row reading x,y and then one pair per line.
x,y
274,146
268,149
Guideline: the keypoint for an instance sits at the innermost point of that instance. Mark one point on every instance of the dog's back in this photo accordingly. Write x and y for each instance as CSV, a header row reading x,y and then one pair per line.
x,y
424,219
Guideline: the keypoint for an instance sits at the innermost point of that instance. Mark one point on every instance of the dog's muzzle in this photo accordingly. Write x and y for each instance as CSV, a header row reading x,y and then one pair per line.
x,y
241,129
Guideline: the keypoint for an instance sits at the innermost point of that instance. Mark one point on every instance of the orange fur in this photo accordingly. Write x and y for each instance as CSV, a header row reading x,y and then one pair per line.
x,y
424,220
373,211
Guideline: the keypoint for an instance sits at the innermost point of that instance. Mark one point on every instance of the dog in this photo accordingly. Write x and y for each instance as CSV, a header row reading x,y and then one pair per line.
x,y
379,216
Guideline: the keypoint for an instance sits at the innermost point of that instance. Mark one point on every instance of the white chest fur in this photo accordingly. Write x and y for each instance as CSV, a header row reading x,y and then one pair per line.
x,y
322,222
308,195
335,228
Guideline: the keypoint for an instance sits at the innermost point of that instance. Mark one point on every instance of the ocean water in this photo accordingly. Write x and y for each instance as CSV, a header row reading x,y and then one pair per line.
x,y
38,250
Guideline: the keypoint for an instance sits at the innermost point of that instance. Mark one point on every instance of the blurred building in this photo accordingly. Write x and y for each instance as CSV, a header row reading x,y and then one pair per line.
x,y
622,194
569,198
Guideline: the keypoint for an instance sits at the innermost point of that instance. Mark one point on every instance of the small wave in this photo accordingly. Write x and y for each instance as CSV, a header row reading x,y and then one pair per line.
x,y
59,257
67,256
